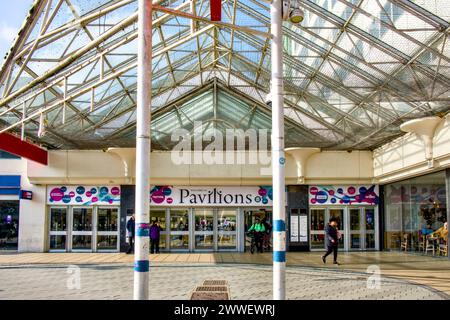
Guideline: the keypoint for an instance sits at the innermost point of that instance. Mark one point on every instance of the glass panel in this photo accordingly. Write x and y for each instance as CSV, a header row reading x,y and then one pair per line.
x,y
339,215
179,242
226,241
58,219
204,241
107,219
226,220
317,241
57,242
107,242
317,219
354,219
370,219
162,241
9,225
370,241
416,208
82,219
204,220
355,241
81,242
159,216
179,220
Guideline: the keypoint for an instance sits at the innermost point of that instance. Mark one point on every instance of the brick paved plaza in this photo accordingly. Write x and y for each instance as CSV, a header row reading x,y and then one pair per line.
x,y
175,281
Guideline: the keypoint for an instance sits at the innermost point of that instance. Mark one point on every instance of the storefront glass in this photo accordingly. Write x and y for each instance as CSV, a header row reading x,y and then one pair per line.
x,y
9,225
415,214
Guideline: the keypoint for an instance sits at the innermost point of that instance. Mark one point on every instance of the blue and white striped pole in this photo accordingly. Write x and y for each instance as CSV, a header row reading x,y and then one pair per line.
x,y
278,156
143,118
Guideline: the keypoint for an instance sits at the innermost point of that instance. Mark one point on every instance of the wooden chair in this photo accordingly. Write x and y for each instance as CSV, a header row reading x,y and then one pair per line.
x,y
430,245
422,241
405,242
443,248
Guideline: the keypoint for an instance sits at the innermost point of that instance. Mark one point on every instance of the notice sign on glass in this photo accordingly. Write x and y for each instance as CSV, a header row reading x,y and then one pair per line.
x,y
294,228
303,228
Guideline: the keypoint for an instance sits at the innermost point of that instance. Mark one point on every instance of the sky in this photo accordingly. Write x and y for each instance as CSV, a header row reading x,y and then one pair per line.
x,y
12,16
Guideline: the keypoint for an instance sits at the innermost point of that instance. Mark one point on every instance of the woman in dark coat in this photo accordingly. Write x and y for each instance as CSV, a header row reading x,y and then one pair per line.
x,y
331,240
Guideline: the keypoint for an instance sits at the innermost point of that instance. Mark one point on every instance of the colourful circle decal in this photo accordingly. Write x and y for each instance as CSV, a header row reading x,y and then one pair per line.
x,y
72,194
93,191
80,190
94,199
262,192
169,200
79,199
103,191
115,191
56,194
88,194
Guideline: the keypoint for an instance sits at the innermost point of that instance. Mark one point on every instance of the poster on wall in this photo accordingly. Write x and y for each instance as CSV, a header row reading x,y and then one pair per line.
x,y
83,195
303,229
344,195
294,228
260,196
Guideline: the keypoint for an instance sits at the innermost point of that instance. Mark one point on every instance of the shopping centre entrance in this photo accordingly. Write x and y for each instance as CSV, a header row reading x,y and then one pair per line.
x,y
357,225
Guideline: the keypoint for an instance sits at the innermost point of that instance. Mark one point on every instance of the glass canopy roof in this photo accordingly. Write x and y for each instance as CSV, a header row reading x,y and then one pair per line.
x,y
354,71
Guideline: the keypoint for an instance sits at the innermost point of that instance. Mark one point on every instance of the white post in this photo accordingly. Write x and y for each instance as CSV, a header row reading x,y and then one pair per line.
x,y
144,82
278,156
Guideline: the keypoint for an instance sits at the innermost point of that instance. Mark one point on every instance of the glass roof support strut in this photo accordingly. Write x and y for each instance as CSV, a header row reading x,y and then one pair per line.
x,y
278,155
143,118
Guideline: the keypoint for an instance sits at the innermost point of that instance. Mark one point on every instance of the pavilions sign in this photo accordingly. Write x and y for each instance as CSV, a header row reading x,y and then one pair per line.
x,y
211,196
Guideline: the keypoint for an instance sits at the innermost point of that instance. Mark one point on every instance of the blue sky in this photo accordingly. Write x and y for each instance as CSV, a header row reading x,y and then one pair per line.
x,y
12,16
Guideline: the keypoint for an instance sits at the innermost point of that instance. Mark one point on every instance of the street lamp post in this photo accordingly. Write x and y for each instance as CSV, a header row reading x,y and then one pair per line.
x,y
278,156
143,118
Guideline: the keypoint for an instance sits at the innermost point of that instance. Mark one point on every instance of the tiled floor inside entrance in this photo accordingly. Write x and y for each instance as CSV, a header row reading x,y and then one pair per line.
x,y
109,275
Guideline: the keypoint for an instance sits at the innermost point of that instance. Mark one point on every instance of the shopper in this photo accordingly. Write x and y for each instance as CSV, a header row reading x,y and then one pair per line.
x,y
131,224
155,231
258,230
332,241
267,234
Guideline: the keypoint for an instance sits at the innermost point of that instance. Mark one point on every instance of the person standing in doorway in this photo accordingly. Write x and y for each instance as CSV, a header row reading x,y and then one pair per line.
x,y
155,231
332,240
131,224
258,230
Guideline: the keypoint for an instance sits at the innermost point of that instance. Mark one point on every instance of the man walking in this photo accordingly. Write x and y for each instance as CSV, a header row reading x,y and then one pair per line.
x,y
155,231
131,232
332,241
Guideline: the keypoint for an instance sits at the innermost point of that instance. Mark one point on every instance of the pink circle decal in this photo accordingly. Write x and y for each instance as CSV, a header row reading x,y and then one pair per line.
x,y
313,191
313,201
110,201
331,192
262,192
56,194
169,200
115,191
88,194
351,190
158,197
94,199
72,194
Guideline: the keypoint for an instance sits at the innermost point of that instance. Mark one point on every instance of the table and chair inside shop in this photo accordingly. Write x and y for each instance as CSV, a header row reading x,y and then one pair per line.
x,y
426,241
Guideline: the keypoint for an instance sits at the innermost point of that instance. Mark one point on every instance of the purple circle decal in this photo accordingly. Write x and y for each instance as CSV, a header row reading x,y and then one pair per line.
x,y
322,197
262,192
115,191
56,194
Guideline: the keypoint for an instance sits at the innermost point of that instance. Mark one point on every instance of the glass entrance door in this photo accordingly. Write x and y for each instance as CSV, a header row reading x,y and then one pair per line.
x,y
204,229
226,229
362,228
339,215
58,229
107,229
9,225
179,229
317,228
82,229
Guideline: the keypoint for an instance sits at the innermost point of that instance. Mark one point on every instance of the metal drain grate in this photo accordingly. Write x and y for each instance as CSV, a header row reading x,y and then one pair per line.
x,y
212,288
215,283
